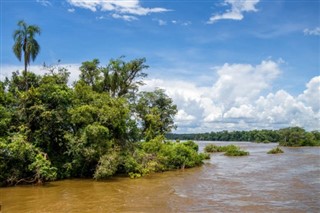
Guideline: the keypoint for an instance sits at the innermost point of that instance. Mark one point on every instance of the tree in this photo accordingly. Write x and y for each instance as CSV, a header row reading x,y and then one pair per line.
x,y
156,111
292,136
26,43
121,78
90,72
5,111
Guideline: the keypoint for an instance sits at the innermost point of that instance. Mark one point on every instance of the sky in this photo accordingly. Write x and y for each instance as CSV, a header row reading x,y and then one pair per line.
x,y
227,64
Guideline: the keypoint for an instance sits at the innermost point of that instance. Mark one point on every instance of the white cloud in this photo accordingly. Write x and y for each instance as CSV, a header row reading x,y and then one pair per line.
x,y
161,22
186,23
243,111
182,23
100,17
71,10
45,3
241,83
240,98
124,17
311,96
283,109
121,9
238,7
315,31
183,117
6,70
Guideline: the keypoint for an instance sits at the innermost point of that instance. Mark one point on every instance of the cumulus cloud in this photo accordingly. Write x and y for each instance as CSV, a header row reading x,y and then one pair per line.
x,y
241,98
283,109
238,7
183,116
121,9
241,83
6,70
243,111
315,31
311,96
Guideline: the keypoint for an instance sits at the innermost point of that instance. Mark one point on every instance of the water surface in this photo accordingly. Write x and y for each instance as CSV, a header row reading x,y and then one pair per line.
x,y
288,182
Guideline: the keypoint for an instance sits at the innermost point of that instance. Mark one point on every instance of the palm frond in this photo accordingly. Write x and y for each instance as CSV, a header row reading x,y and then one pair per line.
x,y
17,50
33,48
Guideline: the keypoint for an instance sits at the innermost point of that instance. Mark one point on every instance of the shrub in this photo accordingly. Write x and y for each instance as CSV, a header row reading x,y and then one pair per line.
x,y
22,162
275,150
192,145
227,148
148,157
211,148
140,163
230,150
205,156
236,152
107,165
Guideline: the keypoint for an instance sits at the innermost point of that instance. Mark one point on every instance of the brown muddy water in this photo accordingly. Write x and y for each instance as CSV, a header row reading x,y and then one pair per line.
x,y
288,182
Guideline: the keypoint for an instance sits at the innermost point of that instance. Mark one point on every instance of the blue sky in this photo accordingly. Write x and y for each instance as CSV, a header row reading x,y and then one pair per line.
x,y
229,64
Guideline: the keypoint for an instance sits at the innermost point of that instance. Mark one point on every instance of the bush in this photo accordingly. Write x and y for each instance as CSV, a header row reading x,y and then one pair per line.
x,y
155,156
192,145
211,148
22,162
205,156
236,152
275,150
230,150
107,165
140,163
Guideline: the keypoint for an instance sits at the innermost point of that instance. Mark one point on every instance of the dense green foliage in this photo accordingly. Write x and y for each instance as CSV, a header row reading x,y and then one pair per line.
x,y
230,150
156,112
292,136
212,148
236,151
295,136
276,150
50,130
155,155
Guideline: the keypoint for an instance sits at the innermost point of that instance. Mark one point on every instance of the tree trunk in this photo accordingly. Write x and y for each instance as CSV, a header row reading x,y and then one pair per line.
x,y
26,72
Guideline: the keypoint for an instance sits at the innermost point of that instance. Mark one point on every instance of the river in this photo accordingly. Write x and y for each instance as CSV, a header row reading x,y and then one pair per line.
x,y
288,182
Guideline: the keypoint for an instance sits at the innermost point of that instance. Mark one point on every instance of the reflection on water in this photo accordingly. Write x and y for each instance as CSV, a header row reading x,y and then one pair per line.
x,y
288,182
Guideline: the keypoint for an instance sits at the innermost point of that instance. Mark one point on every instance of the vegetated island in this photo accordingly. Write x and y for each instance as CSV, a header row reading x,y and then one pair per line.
x,y
51,131
229,150
94,128
276,150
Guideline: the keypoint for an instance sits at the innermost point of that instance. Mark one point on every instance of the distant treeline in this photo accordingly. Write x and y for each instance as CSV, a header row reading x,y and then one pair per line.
x,y
291,136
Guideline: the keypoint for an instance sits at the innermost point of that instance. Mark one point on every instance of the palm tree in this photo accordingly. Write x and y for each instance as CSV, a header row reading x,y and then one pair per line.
x,y
25,42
